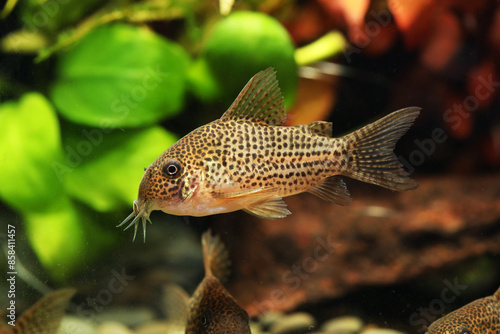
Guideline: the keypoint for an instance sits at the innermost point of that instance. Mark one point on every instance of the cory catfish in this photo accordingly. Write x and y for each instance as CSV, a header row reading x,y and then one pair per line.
x,y
247,160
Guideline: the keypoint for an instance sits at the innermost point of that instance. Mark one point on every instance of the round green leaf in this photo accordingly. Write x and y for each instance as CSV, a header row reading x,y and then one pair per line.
x,y
29,133
64,238
122,75
103,167
243,44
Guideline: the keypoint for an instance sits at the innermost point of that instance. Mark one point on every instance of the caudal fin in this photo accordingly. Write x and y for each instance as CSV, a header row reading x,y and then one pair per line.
x,y
372,151
215,256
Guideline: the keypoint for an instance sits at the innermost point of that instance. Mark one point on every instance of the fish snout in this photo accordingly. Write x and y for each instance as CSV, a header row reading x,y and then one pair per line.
x,y
146,186
141,211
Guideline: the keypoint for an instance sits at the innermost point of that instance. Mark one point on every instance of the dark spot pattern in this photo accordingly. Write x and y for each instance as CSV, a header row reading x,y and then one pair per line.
x,y
481,316
214,310
211,308
226,154
248,149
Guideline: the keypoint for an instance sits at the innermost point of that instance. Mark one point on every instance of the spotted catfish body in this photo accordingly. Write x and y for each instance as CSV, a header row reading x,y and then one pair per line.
x,y
481,316
44,317
247,160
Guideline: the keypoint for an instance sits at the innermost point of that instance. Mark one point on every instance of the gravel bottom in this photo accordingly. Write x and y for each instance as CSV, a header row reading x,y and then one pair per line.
x,y
125,322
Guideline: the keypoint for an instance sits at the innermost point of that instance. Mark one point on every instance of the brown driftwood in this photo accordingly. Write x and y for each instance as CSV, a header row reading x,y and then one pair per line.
x,y
324,250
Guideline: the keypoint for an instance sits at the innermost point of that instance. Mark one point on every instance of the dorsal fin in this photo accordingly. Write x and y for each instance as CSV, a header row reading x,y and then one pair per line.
x,y
259,101
215,256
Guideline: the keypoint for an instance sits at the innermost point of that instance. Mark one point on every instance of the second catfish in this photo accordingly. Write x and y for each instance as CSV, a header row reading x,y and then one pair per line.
x,y
247,160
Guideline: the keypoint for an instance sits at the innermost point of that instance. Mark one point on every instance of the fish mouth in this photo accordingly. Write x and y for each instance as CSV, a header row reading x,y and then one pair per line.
x,y
143,214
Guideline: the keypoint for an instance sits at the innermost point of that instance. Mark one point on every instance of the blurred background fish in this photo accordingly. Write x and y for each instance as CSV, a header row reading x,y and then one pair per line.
x,y
211,309
44,317
481,316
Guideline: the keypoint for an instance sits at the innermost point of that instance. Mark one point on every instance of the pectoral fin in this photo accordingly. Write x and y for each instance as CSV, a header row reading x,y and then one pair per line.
x,y
45,316
332,189
175,303
257,193
260,202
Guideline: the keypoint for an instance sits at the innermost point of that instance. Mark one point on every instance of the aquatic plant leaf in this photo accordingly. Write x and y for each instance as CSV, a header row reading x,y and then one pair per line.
x,y
241,45
54,15
121,75
201,81
29,133
104,169
63,238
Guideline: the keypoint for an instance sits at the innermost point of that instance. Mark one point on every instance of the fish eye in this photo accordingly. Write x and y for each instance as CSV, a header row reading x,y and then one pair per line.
x,y
172,168
203,320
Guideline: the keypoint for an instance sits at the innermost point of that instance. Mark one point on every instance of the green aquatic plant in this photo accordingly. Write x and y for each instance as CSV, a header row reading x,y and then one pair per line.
x,y
43,177
250,38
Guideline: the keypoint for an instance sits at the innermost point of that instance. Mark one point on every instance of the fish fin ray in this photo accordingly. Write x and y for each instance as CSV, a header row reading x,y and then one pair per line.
x,y
46,314
332,189
175,303
215,256
259,101
373,156
272,208
259,192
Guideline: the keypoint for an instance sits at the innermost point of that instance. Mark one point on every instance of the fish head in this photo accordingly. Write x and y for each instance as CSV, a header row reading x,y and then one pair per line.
x,y
214,310
167,184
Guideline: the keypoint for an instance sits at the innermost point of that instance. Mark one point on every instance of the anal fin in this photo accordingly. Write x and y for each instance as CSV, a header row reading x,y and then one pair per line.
x,y
273,208
332,189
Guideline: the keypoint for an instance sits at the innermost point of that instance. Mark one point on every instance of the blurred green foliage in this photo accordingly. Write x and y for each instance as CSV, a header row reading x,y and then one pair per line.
x,y
30,134
126,75
74,147
109,176
241,45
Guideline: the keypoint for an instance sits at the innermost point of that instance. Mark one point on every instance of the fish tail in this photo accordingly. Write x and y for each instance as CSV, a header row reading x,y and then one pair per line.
x,y
371,155
215,256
